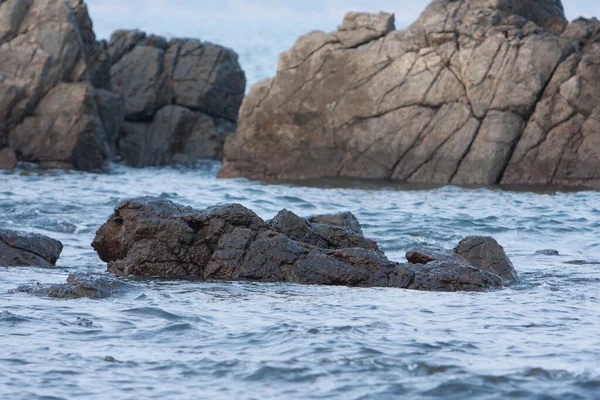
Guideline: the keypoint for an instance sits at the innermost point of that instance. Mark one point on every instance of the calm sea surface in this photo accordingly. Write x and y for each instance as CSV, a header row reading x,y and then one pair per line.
x,y
539,339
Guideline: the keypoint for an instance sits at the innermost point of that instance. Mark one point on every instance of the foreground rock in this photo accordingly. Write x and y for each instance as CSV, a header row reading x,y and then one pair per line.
x,y
64,97
79,285
154,237
19,249
181,97
474,92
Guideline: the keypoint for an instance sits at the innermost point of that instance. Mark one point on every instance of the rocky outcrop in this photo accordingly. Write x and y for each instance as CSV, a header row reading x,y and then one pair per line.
x,y
64,96
474,92
18,249
154,237
181,97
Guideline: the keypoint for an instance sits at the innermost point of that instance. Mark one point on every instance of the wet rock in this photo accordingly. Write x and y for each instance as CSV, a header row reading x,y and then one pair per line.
x,y
181,97
79,285
486,254
8,159
346,220
547,252
474,92
426,256
155,237
19,249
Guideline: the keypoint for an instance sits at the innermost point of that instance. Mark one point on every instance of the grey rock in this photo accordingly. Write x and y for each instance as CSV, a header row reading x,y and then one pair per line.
x,y
19,249
154,237
486,254
8,159
474,92
425,256
547,252
79,285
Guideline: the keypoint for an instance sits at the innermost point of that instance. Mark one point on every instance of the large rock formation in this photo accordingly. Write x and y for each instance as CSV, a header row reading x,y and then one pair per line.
x,y
474,92
155,237
181,97
48,59
18,249
64,96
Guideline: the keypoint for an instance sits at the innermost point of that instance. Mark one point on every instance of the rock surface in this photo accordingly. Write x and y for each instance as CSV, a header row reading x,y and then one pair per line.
x,y
154,237
18,249
474,92
8,159
64,96
181,97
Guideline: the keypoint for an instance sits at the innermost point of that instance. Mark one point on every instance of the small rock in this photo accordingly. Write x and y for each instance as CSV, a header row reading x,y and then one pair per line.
x,y
547,252
20,249
486,254
346,220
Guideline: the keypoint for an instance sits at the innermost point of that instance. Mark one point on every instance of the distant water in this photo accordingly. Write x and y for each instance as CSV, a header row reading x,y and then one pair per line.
x,y
539,339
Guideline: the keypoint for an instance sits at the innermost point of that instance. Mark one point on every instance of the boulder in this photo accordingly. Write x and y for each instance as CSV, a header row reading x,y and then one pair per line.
x,y
19,249
486,254
181,97
8,159
346,220
474,92
155,237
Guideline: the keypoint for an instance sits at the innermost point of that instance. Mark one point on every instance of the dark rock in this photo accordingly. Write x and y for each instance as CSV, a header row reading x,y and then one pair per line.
x,y
428,255
79,285
19,249
486,254
181,97
154,237
547,252
346,220
8,159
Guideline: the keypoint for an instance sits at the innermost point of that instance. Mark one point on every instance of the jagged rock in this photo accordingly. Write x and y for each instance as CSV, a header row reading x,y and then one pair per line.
x,y
154,237
486,254
78,285
8,159
18,249
474,92
181,97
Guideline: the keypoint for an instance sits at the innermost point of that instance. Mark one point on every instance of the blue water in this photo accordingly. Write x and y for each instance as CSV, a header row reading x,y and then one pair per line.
x,y
539,339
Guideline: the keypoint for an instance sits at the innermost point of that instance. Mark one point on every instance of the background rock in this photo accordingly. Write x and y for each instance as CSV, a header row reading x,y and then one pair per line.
x,y
474,92
181,97
8,158
19,249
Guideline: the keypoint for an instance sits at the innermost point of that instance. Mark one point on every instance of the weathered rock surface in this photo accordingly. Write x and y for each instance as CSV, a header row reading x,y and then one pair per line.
x,y
79,285
181,97
19,249
474,92
64,96
154,237
8,159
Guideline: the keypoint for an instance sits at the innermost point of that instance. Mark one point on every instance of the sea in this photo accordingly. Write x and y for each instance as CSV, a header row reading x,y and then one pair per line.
x,y
536,339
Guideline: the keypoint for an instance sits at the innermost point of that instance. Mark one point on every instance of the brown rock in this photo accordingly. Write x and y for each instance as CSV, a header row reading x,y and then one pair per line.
x,y
486,254
8,159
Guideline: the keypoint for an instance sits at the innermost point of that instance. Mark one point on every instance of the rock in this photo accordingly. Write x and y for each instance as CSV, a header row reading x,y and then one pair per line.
x,y
79,285
346,220
8,159
547,252
427,256
474,92
181,97
18,249
486,254
155,237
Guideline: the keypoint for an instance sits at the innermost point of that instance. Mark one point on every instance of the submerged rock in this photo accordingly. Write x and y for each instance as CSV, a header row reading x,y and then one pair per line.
x,y
78,285
474,92
547,252
19,249
155,237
